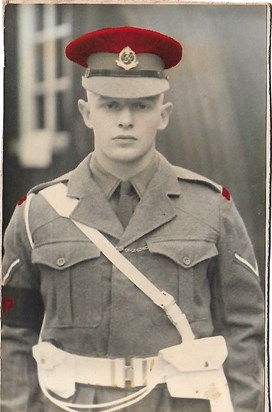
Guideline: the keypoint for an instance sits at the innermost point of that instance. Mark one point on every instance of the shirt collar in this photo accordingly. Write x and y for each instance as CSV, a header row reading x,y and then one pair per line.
x,y
109,183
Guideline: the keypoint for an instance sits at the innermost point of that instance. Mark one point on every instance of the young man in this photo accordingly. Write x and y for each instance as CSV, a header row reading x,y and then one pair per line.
x,y
181,230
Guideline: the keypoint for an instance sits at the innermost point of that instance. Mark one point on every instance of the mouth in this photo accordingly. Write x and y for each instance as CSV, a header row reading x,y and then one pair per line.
x,y
125,138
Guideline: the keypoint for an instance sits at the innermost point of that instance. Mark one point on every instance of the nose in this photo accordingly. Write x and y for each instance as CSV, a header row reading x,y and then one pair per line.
x,y
125,118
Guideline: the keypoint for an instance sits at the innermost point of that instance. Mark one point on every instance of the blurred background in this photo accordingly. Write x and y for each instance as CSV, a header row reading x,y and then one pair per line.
x,y
218,127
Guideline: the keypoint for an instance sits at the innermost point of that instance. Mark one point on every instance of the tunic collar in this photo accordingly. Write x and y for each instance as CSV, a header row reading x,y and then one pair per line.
x,y
109,183
154,209
81,182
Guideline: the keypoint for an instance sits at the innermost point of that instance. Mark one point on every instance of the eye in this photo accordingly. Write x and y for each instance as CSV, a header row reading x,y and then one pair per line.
x,y
112,105
142,106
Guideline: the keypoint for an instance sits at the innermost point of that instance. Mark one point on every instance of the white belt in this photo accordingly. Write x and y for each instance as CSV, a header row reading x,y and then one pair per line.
x,y
190,370
57,365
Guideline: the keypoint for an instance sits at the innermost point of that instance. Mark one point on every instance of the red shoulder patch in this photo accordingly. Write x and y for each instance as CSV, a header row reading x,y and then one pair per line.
x,y
225,193
21,201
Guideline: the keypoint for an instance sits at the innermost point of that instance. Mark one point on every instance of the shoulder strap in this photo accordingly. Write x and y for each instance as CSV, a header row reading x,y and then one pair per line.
x,y
26,218
63,205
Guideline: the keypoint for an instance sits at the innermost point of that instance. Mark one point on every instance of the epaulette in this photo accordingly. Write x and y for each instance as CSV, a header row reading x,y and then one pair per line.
x,y
188,175
40,186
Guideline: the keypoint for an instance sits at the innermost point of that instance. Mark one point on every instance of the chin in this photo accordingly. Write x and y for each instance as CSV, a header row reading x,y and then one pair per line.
x,y
125,156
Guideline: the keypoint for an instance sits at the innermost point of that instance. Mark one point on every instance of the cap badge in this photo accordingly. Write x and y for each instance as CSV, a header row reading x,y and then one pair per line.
x,y
127,59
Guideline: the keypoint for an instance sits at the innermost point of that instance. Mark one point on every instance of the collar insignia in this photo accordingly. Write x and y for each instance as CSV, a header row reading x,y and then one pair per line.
x,y
127,59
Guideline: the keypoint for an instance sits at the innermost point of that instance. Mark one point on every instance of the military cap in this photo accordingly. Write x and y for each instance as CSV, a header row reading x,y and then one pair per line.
x,y
125,62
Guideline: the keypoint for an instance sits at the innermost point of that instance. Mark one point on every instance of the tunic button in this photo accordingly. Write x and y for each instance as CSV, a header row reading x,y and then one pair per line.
x,y
186,261
60,261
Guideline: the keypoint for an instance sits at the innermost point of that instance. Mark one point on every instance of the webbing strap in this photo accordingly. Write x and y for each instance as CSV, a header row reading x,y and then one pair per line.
x,y
63,205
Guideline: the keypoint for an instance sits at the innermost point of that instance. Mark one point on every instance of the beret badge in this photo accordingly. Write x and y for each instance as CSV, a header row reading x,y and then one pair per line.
x,y
127,59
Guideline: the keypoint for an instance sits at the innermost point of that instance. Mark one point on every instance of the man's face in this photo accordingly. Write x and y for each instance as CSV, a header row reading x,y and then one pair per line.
x,y
124,129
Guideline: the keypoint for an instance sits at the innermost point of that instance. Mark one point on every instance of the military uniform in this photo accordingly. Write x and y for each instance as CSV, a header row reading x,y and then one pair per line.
x,y
184,235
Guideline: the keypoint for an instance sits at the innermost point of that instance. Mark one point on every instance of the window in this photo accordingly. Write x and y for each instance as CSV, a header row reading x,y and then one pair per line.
x,y
44,82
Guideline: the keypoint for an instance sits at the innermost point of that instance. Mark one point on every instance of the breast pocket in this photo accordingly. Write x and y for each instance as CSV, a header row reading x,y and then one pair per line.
x,y
185,267
71,283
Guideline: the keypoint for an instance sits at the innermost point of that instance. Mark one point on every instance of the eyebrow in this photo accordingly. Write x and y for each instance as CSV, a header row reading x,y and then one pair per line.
x,y
147,99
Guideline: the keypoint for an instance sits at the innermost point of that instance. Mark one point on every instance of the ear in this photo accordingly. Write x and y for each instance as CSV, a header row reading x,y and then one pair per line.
x,y
166,110
85,112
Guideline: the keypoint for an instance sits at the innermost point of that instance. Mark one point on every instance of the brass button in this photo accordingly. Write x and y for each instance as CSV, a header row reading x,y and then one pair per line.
x,y
60,261
186,260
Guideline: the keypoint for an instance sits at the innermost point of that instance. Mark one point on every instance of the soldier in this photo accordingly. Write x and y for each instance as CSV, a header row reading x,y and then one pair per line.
x,y
181,230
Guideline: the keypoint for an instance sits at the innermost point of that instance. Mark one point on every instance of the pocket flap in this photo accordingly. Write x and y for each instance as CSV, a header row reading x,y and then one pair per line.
x,y
61,255
186,253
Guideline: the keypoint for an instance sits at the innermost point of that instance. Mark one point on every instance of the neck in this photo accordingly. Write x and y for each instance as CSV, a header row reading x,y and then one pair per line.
x,y
125,170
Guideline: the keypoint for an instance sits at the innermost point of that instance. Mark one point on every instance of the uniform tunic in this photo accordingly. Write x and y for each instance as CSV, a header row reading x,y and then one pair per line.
x,y
184,235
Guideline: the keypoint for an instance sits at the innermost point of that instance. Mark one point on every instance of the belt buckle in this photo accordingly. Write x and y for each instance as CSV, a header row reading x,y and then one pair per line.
x,y
137,371
134,372
129,375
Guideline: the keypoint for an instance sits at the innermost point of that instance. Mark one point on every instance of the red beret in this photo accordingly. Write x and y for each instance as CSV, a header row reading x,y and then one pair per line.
x,y
113,40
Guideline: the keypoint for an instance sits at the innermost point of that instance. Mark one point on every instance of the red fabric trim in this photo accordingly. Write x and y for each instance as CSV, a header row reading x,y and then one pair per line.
x,y
22,200
226,193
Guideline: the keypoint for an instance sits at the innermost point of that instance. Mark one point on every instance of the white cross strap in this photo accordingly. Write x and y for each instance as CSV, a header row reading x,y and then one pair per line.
x,y
56,196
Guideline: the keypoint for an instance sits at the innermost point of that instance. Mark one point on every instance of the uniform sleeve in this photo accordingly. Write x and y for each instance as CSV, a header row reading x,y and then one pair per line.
x,y
21,319
239,312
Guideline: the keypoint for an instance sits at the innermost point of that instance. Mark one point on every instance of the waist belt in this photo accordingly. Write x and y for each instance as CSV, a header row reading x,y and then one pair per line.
x,y
63,369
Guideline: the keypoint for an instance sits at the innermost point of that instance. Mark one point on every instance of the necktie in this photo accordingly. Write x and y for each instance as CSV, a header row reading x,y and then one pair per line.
x,y
125,204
